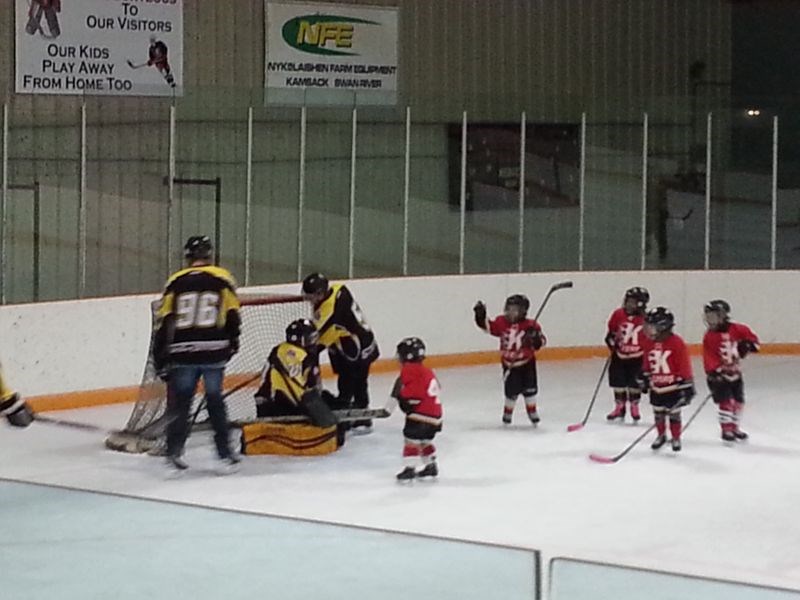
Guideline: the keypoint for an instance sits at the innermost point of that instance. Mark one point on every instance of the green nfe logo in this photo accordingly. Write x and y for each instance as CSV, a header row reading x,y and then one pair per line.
x,y
322,34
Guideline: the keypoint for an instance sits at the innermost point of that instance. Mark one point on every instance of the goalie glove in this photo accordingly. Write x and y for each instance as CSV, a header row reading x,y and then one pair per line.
x,y
16,411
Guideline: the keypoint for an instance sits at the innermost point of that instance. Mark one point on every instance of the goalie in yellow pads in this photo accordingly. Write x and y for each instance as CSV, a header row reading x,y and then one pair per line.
x,y
291,382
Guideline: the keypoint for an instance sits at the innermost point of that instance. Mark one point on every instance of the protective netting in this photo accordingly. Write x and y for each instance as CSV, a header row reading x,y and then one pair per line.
x,y
264,321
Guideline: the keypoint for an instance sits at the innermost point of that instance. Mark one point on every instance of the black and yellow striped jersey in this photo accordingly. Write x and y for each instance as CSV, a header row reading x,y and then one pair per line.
x,y
342,327
291,371
198,318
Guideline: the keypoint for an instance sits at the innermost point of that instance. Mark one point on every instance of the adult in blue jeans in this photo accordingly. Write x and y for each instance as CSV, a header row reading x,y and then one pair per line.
x,y
197,334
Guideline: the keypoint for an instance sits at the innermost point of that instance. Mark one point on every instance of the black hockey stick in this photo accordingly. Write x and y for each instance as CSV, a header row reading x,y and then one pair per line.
x,y
610,460
89,427
558,286
577,426
202,404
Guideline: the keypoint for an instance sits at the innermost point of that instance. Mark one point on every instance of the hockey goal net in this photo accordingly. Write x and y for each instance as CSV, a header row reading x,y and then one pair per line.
x,y
264,321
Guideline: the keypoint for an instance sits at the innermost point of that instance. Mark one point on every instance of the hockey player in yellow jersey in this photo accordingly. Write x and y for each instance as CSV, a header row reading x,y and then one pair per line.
x,y
347,337
290,384
15,409
198,332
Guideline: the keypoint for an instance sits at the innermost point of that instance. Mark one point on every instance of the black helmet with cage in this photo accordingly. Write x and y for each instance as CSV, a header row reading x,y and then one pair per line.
x,y
303,333
716,314
658,322
198,247
411,349
635,301
315,287
516,307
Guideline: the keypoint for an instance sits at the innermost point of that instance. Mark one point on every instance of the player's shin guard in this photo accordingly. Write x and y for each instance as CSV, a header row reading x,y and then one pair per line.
x,y
508,409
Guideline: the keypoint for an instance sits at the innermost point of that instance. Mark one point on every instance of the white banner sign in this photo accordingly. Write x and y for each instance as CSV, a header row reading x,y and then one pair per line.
x,y
331,53
110,47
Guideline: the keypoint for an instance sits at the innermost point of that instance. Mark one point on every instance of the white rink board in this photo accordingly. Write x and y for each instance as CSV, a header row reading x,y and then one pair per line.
x,y
92,344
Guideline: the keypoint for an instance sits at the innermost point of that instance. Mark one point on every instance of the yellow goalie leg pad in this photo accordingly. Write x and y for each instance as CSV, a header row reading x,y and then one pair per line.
x,y
288,439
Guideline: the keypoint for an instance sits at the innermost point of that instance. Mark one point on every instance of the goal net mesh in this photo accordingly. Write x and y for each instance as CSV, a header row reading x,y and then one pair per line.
x,y
264,321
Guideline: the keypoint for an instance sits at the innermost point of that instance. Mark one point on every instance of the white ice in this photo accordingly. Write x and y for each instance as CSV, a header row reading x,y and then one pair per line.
x,y
713,509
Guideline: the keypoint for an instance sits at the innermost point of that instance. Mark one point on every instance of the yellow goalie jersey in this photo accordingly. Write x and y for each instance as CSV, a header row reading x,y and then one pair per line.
x,y
342,327
289,375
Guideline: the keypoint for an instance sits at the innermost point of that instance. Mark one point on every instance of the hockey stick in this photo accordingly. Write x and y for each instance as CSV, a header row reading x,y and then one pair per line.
x,y
342,415
89,427
202,404
554,288
696,412
577,426
610,460
133,66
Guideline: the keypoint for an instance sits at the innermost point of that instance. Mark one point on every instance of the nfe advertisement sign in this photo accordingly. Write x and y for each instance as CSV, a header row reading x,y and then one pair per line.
x,y
334,54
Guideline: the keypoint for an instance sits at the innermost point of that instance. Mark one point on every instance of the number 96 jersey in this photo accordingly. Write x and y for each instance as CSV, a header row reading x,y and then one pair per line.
x,y
199,317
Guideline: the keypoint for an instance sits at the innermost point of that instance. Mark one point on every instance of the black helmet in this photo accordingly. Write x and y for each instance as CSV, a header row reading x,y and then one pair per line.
x,y
720,307
198,247
660,318
518,300
640,295
302,332
411,349
315,283
715,314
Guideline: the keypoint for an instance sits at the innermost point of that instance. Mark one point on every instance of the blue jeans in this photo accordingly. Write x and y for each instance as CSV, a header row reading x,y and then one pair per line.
x,y
181,388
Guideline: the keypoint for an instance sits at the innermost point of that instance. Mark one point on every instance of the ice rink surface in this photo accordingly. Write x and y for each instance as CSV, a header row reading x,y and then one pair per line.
x,y
727,511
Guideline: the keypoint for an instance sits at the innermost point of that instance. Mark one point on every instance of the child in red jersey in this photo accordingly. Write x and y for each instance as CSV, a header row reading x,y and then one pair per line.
x,y
520,338
666,374
624,339
417,392
724,345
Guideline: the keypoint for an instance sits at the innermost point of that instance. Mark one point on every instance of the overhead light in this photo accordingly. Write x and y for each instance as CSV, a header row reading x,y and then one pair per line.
x,y
753,112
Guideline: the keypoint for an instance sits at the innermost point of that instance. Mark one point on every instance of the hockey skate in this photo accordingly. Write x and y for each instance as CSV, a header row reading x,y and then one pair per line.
x,y
728,436
740,435
228,465
406,474
533,415
362,427
430,470
176,466
658,442
506,418
617,413
676,445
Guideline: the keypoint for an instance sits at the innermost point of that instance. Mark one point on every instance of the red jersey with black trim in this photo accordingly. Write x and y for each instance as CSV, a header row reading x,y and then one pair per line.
x,y
516,347
628,334
667,362
419,391
720,351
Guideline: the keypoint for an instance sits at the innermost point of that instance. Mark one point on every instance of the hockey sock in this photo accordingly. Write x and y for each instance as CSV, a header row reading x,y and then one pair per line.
x,y
530,404
428,453
726,415
411,453
737,411
675,426
508,408
661,422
